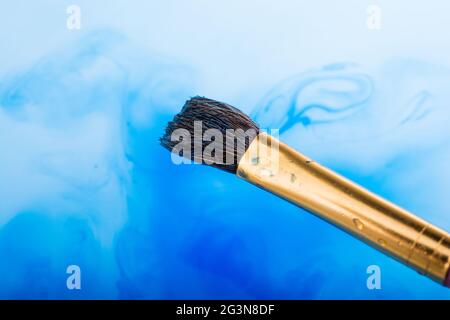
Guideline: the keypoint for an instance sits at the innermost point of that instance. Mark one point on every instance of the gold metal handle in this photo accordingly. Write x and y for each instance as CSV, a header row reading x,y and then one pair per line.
x,y
274,166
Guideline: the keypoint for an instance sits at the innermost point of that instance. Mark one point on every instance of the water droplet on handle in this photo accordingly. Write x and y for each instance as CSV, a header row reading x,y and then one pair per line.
x,y
358,224
293,177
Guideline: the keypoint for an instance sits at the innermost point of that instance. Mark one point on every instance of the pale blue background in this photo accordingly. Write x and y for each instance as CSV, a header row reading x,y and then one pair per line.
x,y
83,180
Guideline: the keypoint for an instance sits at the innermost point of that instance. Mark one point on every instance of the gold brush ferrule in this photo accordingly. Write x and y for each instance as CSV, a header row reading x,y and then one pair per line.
x,y
276,167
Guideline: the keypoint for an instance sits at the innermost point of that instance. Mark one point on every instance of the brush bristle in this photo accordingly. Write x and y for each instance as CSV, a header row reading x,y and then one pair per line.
x,y
212,115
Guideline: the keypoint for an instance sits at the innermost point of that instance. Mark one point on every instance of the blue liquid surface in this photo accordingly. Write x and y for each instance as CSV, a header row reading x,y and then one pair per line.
x,y
84,181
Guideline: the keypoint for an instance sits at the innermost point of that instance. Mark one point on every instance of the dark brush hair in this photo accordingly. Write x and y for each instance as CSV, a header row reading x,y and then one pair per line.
x,y
213,115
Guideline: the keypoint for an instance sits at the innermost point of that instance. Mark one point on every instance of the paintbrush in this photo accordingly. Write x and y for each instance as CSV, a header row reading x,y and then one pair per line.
x,y
219,135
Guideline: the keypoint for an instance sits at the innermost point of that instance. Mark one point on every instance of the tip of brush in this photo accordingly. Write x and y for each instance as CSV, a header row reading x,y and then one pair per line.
x,y
210,132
